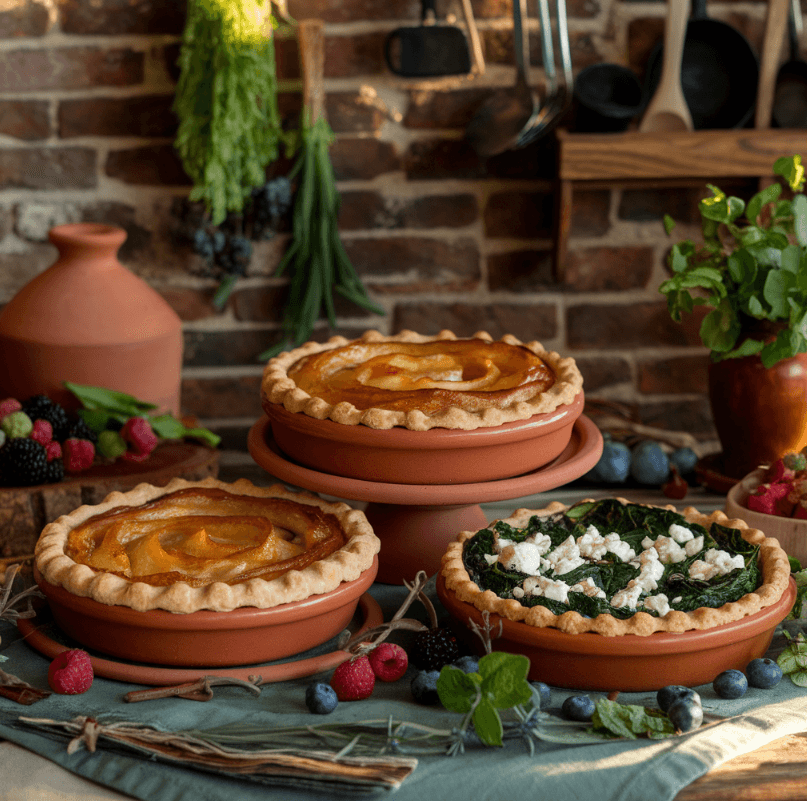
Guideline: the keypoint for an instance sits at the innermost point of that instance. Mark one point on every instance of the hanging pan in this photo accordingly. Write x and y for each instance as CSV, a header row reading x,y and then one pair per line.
x,y
719,72
790,96
429,49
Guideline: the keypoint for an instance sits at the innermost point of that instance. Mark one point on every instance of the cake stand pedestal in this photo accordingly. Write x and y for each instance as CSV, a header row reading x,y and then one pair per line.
x,y
415,522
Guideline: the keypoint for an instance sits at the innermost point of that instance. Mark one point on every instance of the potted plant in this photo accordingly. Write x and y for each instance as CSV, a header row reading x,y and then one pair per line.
x,y
751,270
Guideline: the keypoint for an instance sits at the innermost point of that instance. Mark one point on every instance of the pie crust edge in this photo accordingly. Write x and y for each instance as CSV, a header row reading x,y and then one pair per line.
x,y
277,388
774,562
322,576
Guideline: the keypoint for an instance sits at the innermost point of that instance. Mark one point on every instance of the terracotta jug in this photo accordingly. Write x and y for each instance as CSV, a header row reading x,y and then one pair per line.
x,y
760,413
89,320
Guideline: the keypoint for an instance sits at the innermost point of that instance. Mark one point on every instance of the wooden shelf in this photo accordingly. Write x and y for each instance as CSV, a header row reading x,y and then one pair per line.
x,y
634,159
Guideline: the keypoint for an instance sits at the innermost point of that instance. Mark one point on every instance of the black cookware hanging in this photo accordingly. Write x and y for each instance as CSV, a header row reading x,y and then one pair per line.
x,y
790,96
719,72
429,49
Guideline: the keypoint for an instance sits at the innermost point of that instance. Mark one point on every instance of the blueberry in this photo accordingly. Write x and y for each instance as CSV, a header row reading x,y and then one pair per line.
x,y
613,466
320,698
668,695
685,714
424,687
649,464
467,664
730,684
578,707
543,691
763,673
684,459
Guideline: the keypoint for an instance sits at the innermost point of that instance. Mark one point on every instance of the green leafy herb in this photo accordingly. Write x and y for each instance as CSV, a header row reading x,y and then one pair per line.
x,y
793,660
800,577
631,721
226,101
103,406
501,683
751,270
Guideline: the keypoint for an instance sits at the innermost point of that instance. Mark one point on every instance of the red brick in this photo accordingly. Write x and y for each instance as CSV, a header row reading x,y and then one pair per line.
x,y
157,165
17,269
110,17
520,271
222,397
354,11
25,119
527,322
590,212
535,161
219,348
367,210
681,374
351,56
69,68
146,115
435,159
266,304
625,325
609,269
600,372
362,159
520,214
349,112
416,264
691,416
48,168
443,109
18,20
138,244
191,304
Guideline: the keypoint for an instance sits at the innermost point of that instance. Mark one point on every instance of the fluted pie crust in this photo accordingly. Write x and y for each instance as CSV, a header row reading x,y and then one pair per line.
x,y
774,563
420,382
206,545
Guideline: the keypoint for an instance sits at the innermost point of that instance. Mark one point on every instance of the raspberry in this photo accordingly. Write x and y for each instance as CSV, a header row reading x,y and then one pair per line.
x,y
54,450
388,661
8,406
17,425
434,648
70,673
77,454
42,432
138,433
354,679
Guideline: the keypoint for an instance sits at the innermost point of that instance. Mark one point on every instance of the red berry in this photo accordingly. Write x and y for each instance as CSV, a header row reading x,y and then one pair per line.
x,y
54,450
8,406
354,679
42,432
70,673
137,431
78,454
388,661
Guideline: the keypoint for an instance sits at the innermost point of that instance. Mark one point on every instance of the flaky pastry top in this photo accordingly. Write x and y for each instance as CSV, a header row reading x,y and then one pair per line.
x,y
206,545
420,382
774,562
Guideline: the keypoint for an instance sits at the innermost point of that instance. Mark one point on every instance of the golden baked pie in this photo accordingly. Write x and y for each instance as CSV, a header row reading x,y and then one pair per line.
x,y
613,568
206,545
420,382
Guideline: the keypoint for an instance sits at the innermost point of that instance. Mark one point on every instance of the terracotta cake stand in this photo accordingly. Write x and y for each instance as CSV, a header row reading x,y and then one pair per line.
x,y
415,522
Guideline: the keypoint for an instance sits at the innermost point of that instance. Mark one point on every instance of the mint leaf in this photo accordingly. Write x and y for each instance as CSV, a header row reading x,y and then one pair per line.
x,y
504,679
457,690
487,723
630,721
109,400
799,678
167,426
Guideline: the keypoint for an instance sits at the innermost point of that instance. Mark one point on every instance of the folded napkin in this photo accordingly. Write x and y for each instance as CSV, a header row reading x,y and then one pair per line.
x,y
618,770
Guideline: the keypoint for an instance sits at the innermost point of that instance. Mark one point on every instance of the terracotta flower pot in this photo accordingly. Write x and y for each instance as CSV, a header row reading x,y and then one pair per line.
x,y
760,413
88,320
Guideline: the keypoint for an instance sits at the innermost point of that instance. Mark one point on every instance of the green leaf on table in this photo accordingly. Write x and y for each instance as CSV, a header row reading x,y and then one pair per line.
x,y
487,723
167,426
109,400
630,720
504,679
457,690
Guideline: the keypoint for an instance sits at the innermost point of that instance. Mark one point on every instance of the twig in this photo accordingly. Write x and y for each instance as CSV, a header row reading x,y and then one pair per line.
x,y
200,690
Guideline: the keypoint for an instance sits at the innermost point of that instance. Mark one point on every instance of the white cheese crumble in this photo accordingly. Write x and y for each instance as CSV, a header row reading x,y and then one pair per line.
x,y
588,587
617,546
549,588
522,556
679,533
657,603
565,557
715,563
650,567
668,549
693,546
491,558
627,597
592,544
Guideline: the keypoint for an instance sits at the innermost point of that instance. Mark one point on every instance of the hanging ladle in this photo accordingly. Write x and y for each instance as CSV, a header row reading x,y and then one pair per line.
x,y
498,122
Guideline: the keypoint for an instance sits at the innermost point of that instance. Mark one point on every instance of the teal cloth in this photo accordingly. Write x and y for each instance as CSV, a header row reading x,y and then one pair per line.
x,y
619,770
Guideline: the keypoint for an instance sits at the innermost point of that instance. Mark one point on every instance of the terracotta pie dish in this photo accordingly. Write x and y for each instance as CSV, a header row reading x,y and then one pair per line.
x,y
614,643
411,409
206,573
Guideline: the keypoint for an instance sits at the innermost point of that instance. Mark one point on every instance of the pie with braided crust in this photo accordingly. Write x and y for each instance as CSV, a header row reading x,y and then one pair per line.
x,y
207,545
615,568
420,382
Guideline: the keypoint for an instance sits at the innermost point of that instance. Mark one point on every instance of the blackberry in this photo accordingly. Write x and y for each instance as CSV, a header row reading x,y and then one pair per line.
x,y
80,430
434,648
43,408
55,471
23,463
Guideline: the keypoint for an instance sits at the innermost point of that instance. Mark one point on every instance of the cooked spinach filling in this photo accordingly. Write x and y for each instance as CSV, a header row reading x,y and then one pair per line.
x,y
610,573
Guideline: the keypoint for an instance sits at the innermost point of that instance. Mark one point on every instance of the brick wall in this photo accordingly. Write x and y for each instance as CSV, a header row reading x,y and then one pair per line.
x,y
441,238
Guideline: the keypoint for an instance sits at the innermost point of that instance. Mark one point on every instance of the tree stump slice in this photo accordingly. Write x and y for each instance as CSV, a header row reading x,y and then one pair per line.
x,y
25,511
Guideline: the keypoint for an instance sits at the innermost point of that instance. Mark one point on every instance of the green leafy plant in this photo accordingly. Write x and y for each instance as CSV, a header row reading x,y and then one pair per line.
x,y
751,269
793,660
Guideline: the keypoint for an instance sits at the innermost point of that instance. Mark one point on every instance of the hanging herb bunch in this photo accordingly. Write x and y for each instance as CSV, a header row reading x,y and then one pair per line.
x,y
316,257
229,131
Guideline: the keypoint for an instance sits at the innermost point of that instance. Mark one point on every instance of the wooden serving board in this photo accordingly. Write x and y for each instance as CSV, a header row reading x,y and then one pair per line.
x,y
24,511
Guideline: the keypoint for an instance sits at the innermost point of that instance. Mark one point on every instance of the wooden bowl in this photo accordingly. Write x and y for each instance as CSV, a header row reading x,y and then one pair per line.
x,y
791,533
629,663
243,636
437,456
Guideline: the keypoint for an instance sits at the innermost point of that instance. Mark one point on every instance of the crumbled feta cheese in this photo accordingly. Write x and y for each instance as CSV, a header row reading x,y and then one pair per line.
x,y
678,599
647,543
702,571
592,544
693,546
616,546
548,588
715,563
523,557
565,557
657,603
668,549
588,587
491,558
680,534
501,543
518,593
627,597
543,542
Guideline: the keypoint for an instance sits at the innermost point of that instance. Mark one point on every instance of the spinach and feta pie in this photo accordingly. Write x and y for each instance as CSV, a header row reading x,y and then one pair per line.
x,y
614,567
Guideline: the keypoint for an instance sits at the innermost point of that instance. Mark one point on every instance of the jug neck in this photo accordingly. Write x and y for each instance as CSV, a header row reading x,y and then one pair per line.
x,y
88,242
